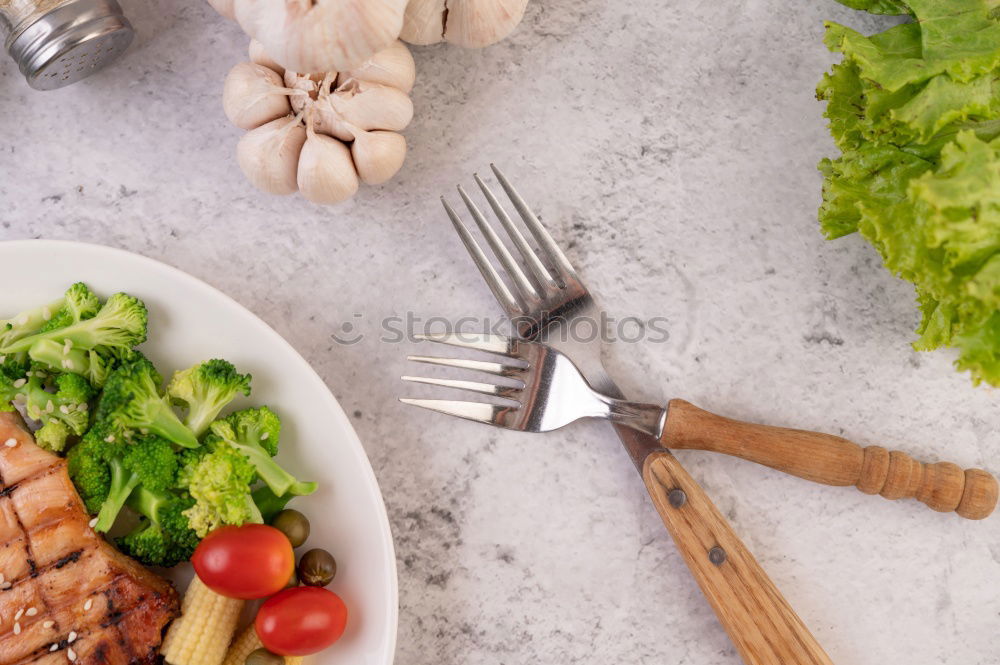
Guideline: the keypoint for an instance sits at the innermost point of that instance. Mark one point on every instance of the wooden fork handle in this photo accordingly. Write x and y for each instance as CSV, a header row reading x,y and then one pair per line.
x,y
764,628
833,460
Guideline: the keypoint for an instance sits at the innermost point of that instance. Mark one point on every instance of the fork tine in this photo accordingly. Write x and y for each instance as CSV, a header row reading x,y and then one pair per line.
x,y
462,363
473,386
543,278
526,288
477,411
545,240
478,341
489,273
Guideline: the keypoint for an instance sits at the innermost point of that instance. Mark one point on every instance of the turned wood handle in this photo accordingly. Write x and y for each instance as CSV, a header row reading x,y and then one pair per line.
x,y
833,460
764,628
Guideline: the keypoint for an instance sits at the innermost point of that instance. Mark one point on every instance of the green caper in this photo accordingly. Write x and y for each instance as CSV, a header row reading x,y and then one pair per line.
x,y
264,657
317,568
293,524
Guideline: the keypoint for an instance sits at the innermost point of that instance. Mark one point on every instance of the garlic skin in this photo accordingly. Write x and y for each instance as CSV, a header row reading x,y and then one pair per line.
x,y
467,23
392,66
321,35
224,7
378,155
253,95
326,172
269,155
259,56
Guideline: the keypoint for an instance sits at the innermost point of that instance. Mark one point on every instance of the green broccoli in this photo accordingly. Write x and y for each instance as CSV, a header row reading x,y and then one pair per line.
x,y
88,468
254,434
268,503
94,364
59,403
27,323
164,537
131,399
120,323
205,390
79,304
149,461
219,482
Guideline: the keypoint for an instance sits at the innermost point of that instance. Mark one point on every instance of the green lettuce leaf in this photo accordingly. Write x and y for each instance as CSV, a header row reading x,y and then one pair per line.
x,y
915,111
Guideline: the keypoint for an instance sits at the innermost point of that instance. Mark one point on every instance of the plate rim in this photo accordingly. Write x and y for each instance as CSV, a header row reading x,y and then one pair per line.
x,y
355,440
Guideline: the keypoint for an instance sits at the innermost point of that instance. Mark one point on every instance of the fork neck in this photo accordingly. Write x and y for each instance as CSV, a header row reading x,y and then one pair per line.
x,y
645,418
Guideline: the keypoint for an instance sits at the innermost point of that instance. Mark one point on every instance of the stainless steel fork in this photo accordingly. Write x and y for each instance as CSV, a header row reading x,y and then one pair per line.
x,y
761,624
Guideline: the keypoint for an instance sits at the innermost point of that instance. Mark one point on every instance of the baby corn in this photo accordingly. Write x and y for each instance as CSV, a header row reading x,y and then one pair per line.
x,y
248,642
205,628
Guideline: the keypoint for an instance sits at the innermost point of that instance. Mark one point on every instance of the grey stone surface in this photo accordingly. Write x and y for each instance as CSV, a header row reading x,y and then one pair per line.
x,y
672,145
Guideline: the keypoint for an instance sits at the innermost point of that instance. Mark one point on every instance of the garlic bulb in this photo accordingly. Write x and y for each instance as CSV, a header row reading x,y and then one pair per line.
x,y
269,155
468,23
253,95
321,133
224,7
321,35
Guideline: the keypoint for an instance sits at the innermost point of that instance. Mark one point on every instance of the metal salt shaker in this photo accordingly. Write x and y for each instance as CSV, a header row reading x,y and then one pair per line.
x,y
58,42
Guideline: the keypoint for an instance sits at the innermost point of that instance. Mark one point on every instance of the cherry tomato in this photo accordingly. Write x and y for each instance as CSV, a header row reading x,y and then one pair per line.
x,y
301,621
249,561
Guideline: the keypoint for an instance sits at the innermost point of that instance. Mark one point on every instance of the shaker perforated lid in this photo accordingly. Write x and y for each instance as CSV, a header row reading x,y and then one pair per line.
x,y
71,42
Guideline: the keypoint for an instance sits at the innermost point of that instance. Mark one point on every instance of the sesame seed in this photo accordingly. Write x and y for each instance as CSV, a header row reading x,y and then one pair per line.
x,y
110,438
265,436
68,364
18,614
93,523
48,624
70,654
3,359
31,611
49,407
82,406
71,637
20,383
17,628
64,409
10,443
3,578
68,346
87,605
6,585
46,314
54,647
22,319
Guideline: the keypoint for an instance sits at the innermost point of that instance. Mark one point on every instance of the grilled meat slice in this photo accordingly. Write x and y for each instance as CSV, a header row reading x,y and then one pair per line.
x,y
66,594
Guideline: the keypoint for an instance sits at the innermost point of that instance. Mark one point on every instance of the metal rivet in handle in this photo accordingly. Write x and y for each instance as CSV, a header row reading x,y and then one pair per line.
x,y
677,498
717,555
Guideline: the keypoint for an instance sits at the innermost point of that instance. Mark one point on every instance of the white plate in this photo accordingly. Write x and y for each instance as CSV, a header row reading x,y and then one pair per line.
x,y
191,321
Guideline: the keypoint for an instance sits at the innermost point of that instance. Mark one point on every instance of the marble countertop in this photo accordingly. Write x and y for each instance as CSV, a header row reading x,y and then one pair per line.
x,y
673,146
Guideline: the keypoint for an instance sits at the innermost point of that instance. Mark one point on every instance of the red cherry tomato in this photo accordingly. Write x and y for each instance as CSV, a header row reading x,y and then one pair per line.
x,y
249,561
301,621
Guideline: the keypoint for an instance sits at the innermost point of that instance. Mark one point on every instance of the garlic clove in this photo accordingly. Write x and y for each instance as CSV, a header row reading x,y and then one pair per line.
x,y
479,23
253,95
368,106
378,155
224,7
326,172
321,35
260,56
392,66
269,155
424,22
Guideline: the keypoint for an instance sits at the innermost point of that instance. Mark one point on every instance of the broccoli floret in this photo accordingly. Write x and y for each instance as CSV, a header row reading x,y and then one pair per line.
x,y
79,304
131,399
149,461
205,390
120,323
254,434
219,482
164,538
27,323
88,466
93,364
60,404
268,503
